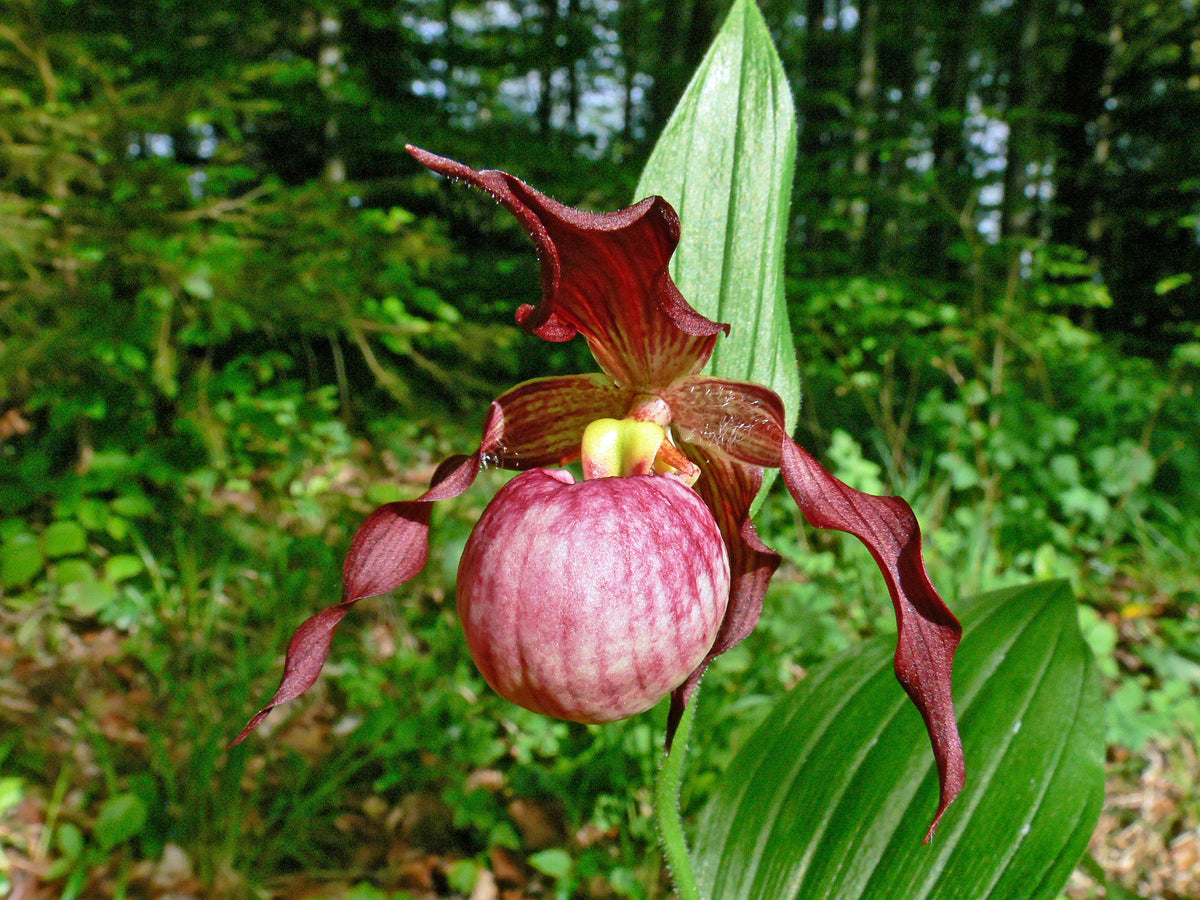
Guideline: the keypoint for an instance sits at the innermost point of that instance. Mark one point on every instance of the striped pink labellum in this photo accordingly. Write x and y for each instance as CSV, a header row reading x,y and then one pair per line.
x,y
592,601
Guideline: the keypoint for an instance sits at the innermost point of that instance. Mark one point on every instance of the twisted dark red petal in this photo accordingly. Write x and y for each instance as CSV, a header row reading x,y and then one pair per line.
x,y
749,427
728,488
604,275
927,632
388,549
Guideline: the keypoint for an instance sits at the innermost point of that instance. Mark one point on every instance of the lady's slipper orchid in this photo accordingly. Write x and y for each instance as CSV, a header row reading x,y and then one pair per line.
x,y
603,558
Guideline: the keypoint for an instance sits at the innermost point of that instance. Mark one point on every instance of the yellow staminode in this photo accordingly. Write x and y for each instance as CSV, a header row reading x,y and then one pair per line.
x,y
620,447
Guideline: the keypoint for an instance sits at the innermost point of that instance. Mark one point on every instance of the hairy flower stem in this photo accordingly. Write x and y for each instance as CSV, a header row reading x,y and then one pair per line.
x,y
666,810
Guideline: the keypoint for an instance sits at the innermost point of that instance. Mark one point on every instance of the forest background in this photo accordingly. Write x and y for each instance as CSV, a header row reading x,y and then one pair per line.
x,y
235,315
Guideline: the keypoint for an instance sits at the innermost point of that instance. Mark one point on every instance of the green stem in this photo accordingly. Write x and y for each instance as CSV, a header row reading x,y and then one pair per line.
x,y
666,810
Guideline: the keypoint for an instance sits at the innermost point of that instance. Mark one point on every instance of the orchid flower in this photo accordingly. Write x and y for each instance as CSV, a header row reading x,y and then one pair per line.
x,y
592,601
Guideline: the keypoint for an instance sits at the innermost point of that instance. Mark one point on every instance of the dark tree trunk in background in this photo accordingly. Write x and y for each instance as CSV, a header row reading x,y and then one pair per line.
x,y
448,21
665,90
866,95
816,74
1025,152
701,31
630,30
574,51
952,48
889,223
825,74
1082,138
550,26
684,33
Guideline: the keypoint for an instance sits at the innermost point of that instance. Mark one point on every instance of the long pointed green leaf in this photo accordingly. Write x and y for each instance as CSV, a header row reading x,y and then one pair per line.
x,y
831,795
725,162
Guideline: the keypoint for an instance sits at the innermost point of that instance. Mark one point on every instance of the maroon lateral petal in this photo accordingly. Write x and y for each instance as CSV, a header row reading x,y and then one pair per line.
x,y
927,632
389,548
728,488
604,275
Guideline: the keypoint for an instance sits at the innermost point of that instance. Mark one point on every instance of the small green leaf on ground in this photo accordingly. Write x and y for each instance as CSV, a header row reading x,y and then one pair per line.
x,y
64,538
555,863
121,818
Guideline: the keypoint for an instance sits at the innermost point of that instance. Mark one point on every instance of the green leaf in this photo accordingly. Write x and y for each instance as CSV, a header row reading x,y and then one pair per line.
x,y
122,566
120,818
69,840
462,875
91,513
73,571
88,597
725,162
555,863
831,795
21,561
132,505
11,791
198,285
1172,282
64,538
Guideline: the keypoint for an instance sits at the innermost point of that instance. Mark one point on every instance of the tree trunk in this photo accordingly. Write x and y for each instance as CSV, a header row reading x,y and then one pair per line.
x,y
573,62
329,66
1083,140
549,65
866,95
631,26
1025,148
818,75
960,19
700,34
665,90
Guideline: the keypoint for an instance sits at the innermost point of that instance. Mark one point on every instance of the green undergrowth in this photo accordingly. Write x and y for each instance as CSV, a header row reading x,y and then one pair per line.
x,y
159,548
144,622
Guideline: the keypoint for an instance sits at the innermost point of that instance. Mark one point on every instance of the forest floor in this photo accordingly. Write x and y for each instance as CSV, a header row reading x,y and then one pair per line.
x,y
86,710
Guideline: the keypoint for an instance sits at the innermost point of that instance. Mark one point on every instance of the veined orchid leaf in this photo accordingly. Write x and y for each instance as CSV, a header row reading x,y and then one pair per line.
x,y
725,162
830,796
